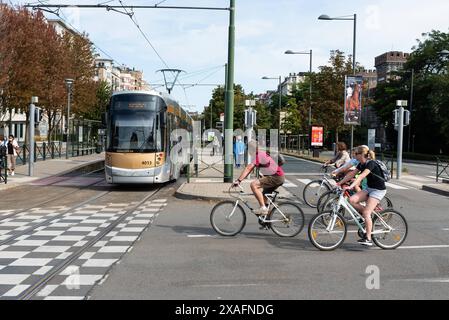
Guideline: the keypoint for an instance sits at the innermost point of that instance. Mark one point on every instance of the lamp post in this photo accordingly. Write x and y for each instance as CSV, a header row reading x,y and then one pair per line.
x,y
280,102
354,44
310,79
279,90
411,108
68,83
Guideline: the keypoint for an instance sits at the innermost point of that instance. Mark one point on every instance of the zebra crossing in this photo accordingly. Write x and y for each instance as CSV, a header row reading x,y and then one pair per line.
x,y
302,182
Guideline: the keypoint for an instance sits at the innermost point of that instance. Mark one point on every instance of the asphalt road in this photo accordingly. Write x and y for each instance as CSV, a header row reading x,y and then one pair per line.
x,y
180,257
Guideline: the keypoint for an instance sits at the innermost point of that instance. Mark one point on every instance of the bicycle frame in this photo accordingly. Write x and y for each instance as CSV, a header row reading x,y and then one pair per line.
x,y
271,205
343,202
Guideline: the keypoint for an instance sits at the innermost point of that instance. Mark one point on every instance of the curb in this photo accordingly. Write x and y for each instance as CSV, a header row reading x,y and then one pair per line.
x,y
186,196
435,190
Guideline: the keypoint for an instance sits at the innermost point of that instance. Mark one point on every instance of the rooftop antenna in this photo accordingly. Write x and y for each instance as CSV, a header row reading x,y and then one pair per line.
x,y
169,85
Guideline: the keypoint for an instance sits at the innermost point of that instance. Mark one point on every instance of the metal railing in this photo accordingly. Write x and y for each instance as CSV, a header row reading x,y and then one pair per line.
x,y
389,161
442,169
3,169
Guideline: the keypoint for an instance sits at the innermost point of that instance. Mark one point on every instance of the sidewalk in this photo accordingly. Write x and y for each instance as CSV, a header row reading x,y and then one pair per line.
x,y
209,184
48,168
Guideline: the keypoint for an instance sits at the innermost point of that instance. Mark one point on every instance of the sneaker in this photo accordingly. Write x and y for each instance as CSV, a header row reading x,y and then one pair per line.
x,y
365,242
12,173
261,212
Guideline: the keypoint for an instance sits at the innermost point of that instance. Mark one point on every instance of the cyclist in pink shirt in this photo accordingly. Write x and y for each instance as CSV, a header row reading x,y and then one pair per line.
x,y
273,175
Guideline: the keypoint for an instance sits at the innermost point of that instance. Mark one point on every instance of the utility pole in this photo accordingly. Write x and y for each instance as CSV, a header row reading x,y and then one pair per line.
x,y
31,136
402,118
229,98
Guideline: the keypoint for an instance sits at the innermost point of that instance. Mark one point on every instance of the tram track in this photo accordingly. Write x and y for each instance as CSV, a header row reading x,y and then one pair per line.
x,y
49,220
34,289
40,204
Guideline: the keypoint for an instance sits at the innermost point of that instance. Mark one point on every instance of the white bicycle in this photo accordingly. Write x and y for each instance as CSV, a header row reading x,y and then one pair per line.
x,y
285,219
328,230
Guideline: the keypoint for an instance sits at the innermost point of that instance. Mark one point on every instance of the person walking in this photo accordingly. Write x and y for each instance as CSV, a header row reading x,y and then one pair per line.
x,y
239,150
11,154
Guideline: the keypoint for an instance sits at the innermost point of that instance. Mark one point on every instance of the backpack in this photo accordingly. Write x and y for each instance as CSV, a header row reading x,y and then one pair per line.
x,y
3,151
385,172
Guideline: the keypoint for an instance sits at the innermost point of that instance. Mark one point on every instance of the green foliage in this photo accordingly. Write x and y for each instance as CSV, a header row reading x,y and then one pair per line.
x,y
430,108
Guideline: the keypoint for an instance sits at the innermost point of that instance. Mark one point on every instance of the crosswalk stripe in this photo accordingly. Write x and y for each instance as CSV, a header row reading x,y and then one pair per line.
x,y
394,186
289,184
304,181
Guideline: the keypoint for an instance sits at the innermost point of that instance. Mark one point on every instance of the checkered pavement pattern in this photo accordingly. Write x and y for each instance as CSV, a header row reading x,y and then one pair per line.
x,y
30,257
25,220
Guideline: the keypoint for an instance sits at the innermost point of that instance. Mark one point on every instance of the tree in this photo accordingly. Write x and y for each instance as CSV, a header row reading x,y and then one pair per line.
x,y
328,92
22,71
82,70
103,95
217,106
430,113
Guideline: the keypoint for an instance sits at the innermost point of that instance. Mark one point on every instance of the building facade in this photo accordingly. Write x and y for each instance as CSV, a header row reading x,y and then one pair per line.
x,y
389,62
290,82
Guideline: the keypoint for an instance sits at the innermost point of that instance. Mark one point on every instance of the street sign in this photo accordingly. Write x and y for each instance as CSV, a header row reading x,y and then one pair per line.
x,y
222,117
401,103
250,117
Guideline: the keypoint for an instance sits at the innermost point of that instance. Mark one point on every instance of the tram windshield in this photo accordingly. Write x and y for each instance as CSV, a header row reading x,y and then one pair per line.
x,y
133,124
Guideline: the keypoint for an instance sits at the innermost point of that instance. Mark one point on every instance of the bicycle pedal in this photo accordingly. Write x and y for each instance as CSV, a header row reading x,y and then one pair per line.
x,y
264,227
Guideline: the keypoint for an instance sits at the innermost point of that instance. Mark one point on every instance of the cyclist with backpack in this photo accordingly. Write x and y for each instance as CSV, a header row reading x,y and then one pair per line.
x,y
373,194
273,175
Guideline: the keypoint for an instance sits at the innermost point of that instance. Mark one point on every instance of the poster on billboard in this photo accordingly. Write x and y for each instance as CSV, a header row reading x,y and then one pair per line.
x,y
317,140
353,100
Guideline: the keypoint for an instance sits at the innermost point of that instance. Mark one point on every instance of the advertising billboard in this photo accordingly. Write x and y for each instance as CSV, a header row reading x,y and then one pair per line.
x,y
353,100
317,140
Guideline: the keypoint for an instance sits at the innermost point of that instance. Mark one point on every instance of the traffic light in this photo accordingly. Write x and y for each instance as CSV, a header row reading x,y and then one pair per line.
x,y
407,117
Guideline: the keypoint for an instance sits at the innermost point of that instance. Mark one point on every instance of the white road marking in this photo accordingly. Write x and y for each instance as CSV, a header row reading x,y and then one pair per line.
x,y
199,236
394,186
425,280
289,184
425,247
304,181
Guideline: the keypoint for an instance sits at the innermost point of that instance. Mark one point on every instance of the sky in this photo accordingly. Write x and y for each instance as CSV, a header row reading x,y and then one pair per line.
x,y
196,41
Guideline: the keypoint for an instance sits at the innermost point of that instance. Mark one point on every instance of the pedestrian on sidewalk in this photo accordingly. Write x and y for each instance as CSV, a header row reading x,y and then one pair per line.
x,y
239,151
11,154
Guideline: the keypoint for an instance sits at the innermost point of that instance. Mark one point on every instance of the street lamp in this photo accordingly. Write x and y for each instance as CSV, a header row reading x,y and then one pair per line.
x,y
347,18
69,84
280,88
310,79
280,100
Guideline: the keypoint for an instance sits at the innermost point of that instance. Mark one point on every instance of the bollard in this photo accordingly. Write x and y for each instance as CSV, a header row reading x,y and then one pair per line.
x,y
45,151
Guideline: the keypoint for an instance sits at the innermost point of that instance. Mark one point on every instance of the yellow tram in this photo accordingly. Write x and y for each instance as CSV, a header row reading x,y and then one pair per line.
x,y
139,140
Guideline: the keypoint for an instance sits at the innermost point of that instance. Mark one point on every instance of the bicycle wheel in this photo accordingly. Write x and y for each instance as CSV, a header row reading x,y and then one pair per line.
x,y
324,198
313,191
324,239
392,236
327,200
384,204
228,218
287,219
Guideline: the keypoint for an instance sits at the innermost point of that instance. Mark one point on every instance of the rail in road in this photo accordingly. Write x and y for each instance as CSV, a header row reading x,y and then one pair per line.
x,y
61,252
